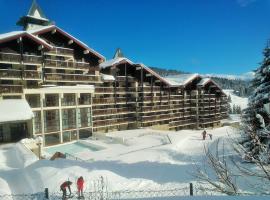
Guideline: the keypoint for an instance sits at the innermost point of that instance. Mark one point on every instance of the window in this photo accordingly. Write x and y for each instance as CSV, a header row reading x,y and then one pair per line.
x,y
69,119
37,121
51,100
33,100
51,120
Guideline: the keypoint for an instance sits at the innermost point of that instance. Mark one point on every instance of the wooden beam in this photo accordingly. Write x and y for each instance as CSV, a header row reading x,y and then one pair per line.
x,y
138,68
86,51
70,42
148,75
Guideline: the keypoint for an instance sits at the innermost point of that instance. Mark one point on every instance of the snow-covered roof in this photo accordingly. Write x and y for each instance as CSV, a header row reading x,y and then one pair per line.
x,y
181,80
15,110
34,32
106,77
80,43
17,34
114,61
62,89
204,81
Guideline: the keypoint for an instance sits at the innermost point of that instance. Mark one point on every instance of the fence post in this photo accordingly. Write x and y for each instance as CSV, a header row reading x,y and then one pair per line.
x,y
191,189
46,193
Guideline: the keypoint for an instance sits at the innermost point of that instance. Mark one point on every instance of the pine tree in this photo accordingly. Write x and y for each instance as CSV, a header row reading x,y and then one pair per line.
x,y
255,116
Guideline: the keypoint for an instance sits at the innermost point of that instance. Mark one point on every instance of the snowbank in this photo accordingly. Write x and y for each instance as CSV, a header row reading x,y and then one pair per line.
x,y
236,100
24,155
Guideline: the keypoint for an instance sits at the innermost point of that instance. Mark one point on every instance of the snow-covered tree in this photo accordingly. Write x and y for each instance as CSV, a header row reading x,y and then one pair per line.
x,y
256,116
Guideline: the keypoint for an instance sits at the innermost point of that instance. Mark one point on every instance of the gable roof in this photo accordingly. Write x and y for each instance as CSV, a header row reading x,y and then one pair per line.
x,y
115,61
17,34
182,79
78,42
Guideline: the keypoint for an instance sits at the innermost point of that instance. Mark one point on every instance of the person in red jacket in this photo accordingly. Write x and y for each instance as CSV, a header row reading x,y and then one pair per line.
x,y
80,184
64,187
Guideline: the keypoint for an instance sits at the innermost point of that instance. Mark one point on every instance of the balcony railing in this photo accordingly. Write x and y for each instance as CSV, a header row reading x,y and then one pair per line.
x,y
11,88
10,73
10,57
32,59
19,74
31,74
66,64
14,57
71,77
61,50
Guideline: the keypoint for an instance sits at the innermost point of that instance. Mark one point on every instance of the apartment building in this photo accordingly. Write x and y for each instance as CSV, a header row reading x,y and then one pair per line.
x,y
55,86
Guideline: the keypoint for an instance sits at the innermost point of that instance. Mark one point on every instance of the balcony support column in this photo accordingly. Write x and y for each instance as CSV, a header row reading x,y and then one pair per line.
x,y
77,96
42,99
142,95
21,56
197,109
60,96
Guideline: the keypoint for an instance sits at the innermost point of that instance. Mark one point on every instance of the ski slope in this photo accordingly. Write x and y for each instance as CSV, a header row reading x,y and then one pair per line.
x,y
236,100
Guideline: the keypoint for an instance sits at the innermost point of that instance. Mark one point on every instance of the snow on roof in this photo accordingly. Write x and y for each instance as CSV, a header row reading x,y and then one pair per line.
x,y
181,79
114,61
204,81
38,30
17,34
63,89
10,34
15,110
107,77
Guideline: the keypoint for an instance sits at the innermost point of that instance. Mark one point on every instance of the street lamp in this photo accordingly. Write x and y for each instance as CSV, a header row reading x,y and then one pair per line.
x,y
39,141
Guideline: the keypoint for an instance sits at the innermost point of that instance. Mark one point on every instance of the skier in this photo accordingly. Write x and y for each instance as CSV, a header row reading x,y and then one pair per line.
x,y
80,183
210,136
64,187
204,134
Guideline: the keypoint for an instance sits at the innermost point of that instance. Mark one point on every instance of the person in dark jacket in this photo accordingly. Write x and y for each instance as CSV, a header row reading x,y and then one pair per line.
x,y
64,187
204,134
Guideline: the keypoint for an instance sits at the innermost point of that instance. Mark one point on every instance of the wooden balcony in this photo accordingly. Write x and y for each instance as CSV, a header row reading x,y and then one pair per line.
x,y
61,51
31,75
146,119
112,111
182,123
113,122
66,64
111,90
148,89
57,77
11,89
123,78
10,74
32,59
10,58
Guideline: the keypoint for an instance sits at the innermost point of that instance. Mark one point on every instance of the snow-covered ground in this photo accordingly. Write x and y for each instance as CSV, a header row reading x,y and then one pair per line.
x,y
236,100
142,159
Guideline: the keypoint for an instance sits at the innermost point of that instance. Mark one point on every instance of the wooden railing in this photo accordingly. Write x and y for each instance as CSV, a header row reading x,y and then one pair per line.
x,y
66,64
10,73
71,77
61,50
10,57
32,59
11,88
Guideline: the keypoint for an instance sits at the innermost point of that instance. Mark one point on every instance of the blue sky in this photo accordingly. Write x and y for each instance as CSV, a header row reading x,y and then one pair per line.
x,y
204,36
